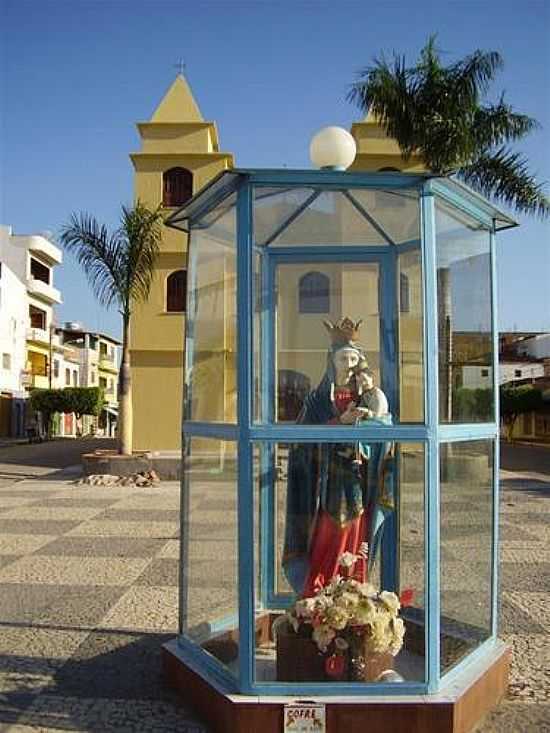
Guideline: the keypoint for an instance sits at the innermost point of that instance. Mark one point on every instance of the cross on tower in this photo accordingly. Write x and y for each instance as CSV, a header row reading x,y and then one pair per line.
x,y
180,66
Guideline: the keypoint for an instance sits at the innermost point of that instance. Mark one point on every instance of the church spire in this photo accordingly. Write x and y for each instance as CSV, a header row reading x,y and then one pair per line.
x,y
178,104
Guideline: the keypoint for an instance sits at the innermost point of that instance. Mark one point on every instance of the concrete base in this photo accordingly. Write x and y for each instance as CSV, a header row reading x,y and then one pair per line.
x,y
456,709
166,465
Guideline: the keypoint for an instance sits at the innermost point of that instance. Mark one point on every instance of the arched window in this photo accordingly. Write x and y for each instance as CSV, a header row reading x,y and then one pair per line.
x,y
314,293
177,186
176,291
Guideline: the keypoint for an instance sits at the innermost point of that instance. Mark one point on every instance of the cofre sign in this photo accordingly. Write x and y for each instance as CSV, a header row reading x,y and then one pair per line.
x,y
304,718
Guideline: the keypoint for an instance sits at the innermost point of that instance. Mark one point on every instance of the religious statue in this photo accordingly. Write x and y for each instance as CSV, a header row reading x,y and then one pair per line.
x,y
338,494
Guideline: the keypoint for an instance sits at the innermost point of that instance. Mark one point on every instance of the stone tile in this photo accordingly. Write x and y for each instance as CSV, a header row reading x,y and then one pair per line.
x,y
533,554
139,515
23,544
35,527
56,605
57,570
114,664
7,559
517,717
149,609
512,619
160,572
78,501
535,605
526,577
516,532
94,528
29,657
102,547
9,502
49,712
57,514
170,550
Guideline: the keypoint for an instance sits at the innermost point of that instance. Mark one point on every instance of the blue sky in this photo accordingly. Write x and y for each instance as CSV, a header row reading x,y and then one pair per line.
x,y
76,75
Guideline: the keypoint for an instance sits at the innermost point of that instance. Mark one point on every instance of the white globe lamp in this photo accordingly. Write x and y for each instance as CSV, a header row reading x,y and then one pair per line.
x,y
332,148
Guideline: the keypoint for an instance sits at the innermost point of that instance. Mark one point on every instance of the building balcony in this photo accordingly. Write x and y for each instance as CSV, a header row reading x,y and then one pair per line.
x,y
45,249
38,335
107,365
39,381
43,291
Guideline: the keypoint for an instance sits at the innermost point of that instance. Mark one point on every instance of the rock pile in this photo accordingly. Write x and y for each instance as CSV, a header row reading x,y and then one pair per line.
x,y
140,479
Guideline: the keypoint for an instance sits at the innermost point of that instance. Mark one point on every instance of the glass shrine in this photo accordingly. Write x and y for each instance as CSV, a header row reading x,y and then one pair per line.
x,y
340,396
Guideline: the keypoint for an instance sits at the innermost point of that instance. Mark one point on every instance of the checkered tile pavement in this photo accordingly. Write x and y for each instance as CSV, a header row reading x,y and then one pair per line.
x,y
88,594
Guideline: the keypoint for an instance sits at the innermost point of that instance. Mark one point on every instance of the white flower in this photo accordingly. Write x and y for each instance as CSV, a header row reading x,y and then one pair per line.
x,y
337,617
367,590
322,636
364,550
390,600
341,644
347,559
305,607
365,613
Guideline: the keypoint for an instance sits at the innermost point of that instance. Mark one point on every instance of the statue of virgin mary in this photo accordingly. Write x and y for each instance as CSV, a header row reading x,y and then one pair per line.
x,y
338,494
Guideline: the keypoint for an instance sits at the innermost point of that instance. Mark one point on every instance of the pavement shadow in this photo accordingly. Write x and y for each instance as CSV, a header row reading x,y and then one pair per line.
x,y
529,487
113,682
55,454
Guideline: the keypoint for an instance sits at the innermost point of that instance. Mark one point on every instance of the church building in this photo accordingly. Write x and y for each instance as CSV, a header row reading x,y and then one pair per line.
x,y
180,154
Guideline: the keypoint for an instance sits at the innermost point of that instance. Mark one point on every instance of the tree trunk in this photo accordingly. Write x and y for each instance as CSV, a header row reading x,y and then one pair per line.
x,y
125,394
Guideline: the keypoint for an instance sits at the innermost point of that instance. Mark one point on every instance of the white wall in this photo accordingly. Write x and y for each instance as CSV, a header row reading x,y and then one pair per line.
x,y
517,371
13,315
537,346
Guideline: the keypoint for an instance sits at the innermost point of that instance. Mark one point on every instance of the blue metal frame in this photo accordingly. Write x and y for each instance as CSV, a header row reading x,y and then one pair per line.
x,y
249,433
431,412
496,442
244,411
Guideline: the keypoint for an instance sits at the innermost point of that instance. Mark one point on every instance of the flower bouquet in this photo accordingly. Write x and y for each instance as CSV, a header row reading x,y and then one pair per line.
x,y
347,630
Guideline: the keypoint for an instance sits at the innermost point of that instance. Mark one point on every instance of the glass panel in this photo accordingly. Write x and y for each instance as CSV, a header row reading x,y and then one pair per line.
x,y
211,354
305,216
210,600
466,547
411,339
395,212
464,318
331,365
317,501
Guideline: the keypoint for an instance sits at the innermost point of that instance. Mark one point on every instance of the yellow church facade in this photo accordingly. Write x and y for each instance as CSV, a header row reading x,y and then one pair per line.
x,y
180,154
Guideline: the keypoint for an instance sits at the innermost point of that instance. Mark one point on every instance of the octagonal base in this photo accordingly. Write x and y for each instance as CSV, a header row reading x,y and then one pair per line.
x,y
456,709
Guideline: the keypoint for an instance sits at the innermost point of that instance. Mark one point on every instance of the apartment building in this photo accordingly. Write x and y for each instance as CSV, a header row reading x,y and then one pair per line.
x,y
97,356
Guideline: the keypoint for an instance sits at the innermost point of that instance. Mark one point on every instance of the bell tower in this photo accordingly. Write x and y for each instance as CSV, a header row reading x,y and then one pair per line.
x,y
179,155
376,151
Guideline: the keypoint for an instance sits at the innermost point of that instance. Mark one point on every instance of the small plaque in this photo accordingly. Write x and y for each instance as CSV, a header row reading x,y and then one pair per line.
x,y
304,717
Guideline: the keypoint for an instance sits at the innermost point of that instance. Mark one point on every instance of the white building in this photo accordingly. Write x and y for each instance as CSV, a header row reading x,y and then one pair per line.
x,y
537,346
26,324
98,356
13,325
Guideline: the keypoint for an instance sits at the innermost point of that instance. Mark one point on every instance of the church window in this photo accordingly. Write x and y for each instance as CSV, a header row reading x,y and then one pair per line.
x,y
314,293
176,291
177,186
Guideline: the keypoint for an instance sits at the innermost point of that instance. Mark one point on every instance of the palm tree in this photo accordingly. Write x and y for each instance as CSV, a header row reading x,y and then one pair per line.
x,y
119,266
437,112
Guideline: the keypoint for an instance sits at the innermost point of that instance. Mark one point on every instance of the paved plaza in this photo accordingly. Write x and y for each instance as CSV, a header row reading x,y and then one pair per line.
x,y
88,594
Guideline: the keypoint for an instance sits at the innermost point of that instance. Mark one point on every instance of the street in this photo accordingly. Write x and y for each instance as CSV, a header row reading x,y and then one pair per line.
x,y
88,594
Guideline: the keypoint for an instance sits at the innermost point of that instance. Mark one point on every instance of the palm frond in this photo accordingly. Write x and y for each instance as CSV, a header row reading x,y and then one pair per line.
x,y
497,124
386,90
504,176
471,76
142,228
98,252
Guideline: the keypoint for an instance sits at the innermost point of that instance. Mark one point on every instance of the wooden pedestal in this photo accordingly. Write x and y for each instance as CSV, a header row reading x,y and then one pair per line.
x,y
456,709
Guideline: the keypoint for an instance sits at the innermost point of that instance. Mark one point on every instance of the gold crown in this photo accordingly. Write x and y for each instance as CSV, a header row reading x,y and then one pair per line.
x,y
344,330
